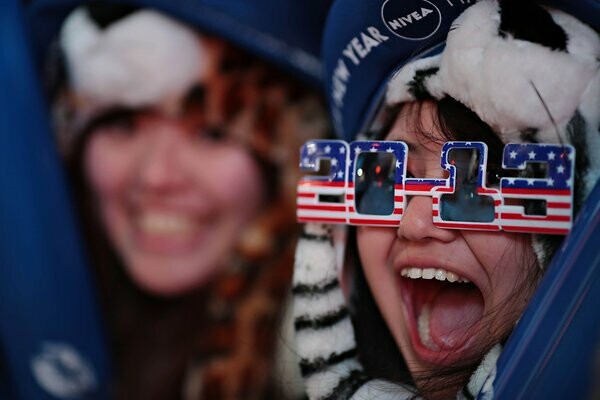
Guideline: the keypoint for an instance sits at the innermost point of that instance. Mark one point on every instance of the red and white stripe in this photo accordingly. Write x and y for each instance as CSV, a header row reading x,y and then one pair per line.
x,y
310,209
559,212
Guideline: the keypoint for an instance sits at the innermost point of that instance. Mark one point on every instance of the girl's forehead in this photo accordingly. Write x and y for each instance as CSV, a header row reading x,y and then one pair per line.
x,y
416,124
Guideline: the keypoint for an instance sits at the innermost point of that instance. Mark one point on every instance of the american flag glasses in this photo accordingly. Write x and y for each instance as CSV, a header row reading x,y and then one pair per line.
x,y
367,184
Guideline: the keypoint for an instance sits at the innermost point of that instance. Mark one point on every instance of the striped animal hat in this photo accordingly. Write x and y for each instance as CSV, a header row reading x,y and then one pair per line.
x,y
531,72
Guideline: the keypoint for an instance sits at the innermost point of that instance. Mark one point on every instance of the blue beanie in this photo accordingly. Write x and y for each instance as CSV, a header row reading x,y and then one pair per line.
x,y
287,33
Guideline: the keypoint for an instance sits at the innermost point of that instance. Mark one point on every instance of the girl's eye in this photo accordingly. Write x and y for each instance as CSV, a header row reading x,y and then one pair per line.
x,y
213,134
121,121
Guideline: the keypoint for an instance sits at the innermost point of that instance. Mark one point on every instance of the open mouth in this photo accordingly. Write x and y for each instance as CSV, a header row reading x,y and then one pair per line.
x,y
168,233
165,224
443,310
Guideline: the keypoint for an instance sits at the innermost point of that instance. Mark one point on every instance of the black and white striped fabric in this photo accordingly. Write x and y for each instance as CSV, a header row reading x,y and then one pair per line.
x,y
324,333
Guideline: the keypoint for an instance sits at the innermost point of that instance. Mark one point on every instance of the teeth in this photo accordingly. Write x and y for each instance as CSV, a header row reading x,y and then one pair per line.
x,y
163,223
414,273
440,274
423,328
451,277
430,273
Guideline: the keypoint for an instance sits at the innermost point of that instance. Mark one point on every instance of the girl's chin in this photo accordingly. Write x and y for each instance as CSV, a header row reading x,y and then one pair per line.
x,y
168,245
164,283
170,276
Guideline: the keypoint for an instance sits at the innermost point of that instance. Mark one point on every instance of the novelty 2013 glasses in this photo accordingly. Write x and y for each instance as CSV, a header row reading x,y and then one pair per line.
x,y
367,184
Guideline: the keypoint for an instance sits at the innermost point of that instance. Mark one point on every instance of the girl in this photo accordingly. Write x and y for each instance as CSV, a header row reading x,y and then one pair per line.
x,y
431,305
181,150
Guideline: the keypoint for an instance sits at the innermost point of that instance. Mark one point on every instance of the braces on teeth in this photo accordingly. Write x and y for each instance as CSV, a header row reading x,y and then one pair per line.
x,y
429,273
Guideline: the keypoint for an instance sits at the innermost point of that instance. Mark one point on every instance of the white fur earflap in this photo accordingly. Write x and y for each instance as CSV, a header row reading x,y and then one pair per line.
x,y
140,60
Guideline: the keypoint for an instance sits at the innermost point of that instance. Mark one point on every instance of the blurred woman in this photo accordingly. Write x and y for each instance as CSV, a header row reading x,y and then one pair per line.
x,y
182,150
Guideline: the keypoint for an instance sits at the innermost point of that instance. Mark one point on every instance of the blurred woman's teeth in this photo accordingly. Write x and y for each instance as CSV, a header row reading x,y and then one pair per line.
x,y
161,223
430,273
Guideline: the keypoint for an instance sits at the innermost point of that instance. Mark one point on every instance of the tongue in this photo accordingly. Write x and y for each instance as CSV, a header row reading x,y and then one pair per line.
x,y
452,313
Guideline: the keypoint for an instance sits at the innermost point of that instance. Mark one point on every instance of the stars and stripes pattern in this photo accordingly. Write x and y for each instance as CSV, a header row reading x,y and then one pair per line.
x,y
313,190
439,187
556,189
331,198
400,151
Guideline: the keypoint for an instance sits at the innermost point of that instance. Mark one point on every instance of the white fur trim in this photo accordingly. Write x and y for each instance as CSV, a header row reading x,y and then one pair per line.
x,y
310,259
398,93
319,304
482,380
326,342
495,76
384,390
319,385
140,60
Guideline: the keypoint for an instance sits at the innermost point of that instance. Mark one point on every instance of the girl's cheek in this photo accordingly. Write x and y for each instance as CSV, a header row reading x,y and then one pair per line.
x,y
374,245
233,176
109,164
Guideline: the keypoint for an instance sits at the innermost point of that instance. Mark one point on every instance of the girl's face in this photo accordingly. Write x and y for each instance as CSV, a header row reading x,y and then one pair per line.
x,y
173,196
172,199
443,293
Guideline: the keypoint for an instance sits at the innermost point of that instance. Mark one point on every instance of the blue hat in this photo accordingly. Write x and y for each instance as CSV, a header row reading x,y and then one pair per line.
x,y
366,42
287,33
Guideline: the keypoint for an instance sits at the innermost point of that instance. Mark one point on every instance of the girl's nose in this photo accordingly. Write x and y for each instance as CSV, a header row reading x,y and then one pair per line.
x,y
161,166
417,222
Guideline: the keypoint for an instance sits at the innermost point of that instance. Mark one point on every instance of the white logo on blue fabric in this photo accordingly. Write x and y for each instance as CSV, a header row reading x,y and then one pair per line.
x,y
61,371
411,20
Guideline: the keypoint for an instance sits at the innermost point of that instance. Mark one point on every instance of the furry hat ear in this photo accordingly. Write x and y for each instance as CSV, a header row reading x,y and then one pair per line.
x,y
104,14
122,60
527,21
